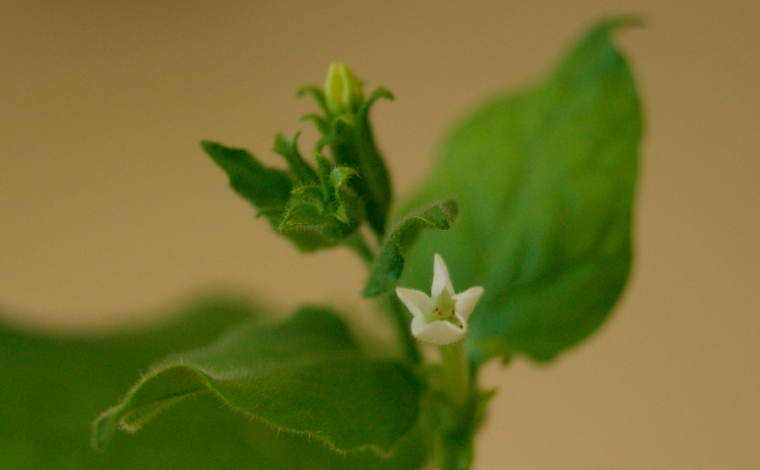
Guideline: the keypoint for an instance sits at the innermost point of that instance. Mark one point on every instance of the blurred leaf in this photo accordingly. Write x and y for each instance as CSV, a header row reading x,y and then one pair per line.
x,y
305,377
545,181
390,262
53,387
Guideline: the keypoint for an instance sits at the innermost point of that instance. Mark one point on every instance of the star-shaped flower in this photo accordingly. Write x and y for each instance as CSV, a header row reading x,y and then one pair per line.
x,y
442,317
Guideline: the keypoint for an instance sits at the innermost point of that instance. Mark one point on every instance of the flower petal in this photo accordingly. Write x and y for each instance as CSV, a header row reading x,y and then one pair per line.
x,y
441,277
465,301
418,324
437,332
416,301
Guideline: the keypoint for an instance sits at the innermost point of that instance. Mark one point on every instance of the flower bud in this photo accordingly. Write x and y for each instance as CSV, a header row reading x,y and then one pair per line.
x,y
343,91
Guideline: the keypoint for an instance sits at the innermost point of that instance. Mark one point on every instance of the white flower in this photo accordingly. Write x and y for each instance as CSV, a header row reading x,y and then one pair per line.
x,y
442,318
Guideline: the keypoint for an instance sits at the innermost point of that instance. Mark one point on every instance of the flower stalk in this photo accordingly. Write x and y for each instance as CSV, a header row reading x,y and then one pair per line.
x,y
455,374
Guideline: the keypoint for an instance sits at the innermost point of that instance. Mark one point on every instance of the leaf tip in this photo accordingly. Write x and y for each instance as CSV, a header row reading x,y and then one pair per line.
x,y
609,24
207,145
101,428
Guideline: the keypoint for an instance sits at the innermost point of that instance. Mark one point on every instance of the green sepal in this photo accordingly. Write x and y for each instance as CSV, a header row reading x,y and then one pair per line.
x,y
301,172
352,144
311,228
334,179
377,94
312,193
267,189
390,262
322,126
302,213
323,216
317,94
305,376
349,207
324,168
545,179
306,226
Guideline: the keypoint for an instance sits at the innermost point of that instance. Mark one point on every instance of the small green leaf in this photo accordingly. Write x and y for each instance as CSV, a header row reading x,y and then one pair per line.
x,y
340,175
300,170
390,262
266,188
304,377
317,94
545,181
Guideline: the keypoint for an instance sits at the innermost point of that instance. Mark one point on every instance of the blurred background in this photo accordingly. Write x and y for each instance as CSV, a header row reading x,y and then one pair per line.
x,y
108,207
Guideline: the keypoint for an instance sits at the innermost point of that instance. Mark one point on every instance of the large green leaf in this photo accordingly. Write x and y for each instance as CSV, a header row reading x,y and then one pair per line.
x,y
51,388
545,181
303,377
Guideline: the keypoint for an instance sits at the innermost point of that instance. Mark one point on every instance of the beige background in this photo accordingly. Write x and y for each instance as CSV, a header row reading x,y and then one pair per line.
x,y
108,206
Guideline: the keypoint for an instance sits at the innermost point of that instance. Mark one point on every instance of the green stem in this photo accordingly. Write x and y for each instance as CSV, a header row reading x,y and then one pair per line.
x,y
456,374
454,440
403,326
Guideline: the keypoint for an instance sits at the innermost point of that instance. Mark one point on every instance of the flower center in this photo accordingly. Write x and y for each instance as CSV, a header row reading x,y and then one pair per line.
x,y
447,314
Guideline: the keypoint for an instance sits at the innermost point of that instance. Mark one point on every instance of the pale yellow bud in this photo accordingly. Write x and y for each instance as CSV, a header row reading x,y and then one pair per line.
x,y
343,91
